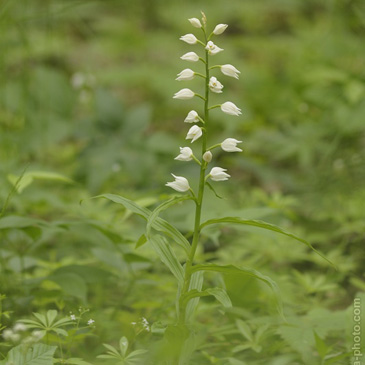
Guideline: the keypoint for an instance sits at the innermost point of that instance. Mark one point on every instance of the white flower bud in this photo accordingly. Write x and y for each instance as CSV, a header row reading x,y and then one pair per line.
x,y
192,117
230,71
218,174
194,133
190,56
215,85
212,48
184,94
230,108
186,154
207,156
195,22
185,75
181,184
220,28
230,145
189,38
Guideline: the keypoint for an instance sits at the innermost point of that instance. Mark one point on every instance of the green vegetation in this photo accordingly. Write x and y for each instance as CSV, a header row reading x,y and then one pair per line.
x,y
86,110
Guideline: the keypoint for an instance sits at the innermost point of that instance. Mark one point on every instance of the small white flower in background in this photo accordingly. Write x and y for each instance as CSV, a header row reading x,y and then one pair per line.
x,y
181,184
186,74
37,334
207,156
78,80
194,133
7,334
90,322
19,327
195,22
15,337
145,324
218,174
186,154
190,56
212,48
192,117
229,108
73,317
215,85
184,94
220,28
189,38
133,323
230,71
230,145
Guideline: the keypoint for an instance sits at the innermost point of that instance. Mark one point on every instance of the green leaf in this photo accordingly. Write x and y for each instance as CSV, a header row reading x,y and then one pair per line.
x,y
264,225
245,329
221,295
112,349
136,353
196,282
51,316
159,224
72,361
28,178
154,215
321,347
123,345
71,284
231,269
41,318
167,256
141,241
38,354
213,190
13,221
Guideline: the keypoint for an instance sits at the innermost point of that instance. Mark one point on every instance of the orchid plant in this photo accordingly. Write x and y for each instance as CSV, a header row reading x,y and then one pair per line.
x,y
162,235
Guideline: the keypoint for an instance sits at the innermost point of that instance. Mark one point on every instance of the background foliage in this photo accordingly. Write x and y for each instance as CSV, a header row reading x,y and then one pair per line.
x,y
86,108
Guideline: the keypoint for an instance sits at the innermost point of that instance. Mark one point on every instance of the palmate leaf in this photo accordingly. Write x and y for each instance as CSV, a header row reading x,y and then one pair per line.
x,y
168,257
231,269
264,225
38,354
159,224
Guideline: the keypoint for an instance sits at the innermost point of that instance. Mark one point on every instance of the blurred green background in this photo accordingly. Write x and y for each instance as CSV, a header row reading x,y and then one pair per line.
x,y
86,94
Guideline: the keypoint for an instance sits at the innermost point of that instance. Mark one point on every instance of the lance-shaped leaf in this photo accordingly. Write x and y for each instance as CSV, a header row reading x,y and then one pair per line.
x,y
219,294
167,256
231,269
196,283
154,215
159,224
264,225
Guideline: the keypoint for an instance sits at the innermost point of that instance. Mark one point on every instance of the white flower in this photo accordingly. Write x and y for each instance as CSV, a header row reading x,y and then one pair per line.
x,y
212,48
207,156
195,22
230,70
186,74
189,38
220,28
90,322
185,154
184,94
230,108
37,334
181,184
73,317
230,145
7,334
190,56
218,174
145,324
19,327
215,85
192,117
194,133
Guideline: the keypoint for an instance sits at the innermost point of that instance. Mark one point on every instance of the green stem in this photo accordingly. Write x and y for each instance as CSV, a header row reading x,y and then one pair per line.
x,y
199,200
